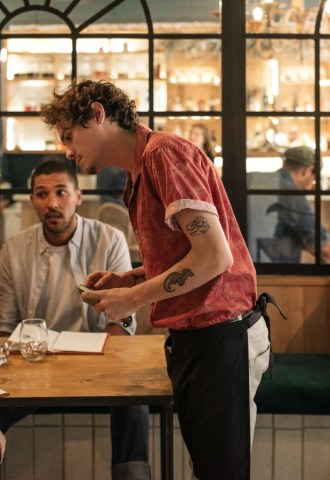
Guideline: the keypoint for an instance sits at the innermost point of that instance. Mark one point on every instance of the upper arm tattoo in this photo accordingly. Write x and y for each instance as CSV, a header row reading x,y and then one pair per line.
x,y
198,226
177,278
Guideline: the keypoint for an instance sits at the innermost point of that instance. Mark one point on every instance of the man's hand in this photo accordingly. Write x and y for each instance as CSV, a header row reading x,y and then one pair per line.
x,y
116,303
103,280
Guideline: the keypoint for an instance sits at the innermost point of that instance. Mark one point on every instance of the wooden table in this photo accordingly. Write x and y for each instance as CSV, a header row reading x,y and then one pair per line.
x,y
132,371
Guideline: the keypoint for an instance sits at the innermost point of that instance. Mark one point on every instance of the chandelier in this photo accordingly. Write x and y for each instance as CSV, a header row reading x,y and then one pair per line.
x,y
271,16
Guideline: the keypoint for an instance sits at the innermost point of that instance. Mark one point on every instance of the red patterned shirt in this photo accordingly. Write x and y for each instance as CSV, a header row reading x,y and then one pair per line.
x,y
173,175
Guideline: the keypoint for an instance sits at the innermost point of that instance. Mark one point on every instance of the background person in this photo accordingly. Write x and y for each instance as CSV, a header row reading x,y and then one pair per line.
x,y
40,270
199,135
196,271
293,217
111,178
296,218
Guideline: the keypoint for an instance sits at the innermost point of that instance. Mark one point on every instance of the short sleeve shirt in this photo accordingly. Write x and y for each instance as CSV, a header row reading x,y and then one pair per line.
x,y
173,174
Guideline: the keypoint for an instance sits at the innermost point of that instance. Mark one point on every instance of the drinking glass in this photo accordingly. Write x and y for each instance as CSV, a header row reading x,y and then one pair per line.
x,y
4,353
33,339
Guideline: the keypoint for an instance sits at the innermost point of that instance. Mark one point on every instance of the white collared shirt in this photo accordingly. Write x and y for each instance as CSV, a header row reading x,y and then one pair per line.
x,y
24,266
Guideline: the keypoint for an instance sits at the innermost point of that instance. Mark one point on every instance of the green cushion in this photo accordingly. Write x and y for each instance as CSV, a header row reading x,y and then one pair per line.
x,y
300,385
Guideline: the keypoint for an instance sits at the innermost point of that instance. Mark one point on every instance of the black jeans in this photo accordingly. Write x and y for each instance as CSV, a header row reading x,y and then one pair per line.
x,y
209,370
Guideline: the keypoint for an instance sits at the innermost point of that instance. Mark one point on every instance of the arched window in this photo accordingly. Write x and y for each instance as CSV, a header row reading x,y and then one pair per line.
x,y
254,74
287,134
166,56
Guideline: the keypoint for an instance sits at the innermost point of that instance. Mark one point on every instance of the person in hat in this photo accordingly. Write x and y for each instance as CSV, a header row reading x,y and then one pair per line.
x,y
295,228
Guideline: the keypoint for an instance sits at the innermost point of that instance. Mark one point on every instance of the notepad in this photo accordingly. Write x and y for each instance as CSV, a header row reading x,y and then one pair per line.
x,y
69,342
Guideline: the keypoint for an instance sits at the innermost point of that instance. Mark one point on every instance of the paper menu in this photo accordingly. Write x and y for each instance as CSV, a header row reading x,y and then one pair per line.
x,y
66,341
87,342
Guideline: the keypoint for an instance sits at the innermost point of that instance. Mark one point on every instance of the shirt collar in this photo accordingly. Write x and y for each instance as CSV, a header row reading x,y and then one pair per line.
x,y
142,133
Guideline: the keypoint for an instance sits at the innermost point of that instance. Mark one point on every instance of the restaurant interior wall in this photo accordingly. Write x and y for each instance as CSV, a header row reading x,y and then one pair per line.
x,y
255,73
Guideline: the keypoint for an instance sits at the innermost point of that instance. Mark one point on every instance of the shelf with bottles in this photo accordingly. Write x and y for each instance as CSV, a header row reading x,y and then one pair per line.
x,y
22,134
113,66
280,84
28,79
278,133
194,96
116,59
295,98
125,62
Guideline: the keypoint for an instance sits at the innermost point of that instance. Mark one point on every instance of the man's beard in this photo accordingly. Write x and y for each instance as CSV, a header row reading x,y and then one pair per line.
x,y
57,230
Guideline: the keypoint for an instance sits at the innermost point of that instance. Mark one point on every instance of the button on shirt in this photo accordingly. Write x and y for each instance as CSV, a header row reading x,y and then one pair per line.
x,y
173,174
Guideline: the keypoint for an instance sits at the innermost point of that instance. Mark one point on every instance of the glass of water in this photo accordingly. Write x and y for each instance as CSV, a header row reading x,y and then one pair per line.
x,y
4,353
33,341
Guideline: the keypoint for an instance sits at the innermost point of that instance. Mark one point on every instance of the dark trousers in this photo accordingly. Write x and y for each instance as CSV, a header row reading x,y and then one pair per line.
x,y
209,370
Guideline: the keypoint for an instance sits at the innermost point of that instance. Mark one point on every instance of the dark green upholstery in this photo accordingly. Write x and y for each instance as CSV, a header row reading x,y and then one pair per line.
x,y
300,385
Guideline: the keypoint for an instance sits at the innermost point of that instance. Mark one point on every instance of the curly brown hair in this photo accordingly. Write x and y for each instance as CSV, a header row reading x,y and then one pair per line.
x,y
73,107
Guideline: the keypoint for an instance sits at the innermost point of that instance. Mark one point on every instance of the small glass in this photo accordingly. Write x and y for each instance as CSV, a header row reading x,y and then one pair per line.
x,y
33,339
4,353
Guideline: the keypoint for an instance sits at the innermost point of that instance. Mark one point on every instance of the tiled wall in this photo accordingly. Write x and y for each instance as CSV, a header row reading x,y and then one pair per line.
x,y
77,447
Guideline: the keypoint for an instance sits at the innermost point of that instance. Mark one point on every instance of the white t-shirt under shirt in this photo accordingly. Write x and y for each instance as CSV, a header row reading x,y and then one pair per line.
x,y
61,312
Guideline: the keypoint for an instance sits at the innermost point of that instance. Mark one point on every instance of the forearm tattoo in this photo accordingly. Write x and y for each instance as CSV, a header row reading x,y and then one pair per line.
x,y
177,278
198,226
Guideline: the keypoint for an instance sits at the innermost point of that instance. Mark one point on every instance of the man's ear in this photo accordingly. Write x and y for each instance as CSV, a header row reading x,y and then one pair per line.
x,y
98,111
32,199
79,196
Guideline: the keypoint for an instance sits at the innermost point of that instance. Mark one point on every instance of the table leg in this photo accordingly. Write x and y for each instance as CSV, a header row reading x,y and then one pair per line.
x,y
166,432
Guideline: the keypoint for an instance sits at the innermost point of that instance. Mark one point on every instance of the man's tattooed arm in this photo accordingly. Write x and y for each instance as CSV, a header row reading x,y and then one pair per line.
x,y
177,278
199,226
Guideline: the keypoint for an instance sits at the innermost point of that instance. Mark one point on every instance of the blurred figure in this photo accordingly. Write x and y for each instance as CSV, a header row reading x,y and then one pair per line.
x,y
294,221
112,178
296,218
199,135
4,202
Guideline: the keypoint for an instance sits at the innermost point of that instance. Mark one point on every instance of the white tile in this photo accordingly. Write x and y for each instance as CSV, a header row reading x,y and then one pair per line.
x,y
288,421
51,419
178,453
264,421
102,453
288,455
317,454
154,449
317,421
48,453
102,420
262,455
80,419
78,458
18,463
